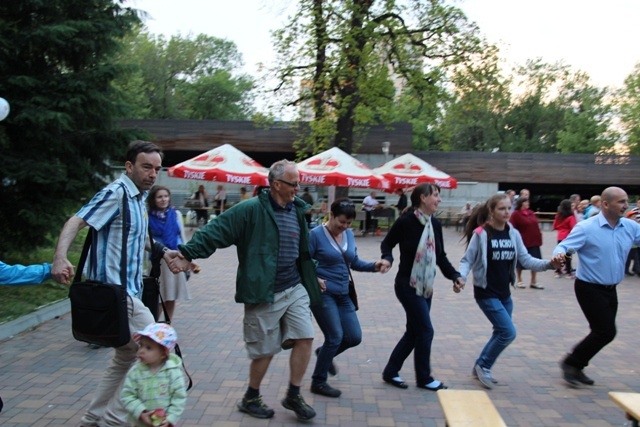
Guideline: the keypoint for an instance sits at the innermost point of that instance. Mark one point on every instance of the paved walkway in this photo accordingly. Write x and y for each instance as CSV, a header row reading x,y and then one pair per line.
x,y
47,378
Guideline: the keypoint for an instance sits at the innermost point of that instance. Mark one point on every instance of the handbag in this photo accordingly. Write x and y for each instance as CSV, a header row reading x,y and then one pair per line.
x,y
151,294
353,295
151,283
99,312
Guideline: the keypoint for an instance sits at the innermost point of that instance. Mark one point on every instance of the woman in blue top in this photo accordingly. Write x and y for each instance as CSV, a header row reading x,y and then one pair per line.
x,y
165,223
333,246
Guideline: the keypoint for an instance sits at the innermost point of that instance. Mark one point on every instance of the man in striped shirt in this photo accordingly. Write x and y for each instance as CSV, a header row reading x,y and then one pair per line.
x,y
107,263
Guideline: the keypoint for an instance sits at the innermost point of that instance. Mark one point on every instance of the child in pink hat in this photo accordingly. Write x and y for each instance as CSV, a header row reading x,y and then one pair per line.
x,y
154,391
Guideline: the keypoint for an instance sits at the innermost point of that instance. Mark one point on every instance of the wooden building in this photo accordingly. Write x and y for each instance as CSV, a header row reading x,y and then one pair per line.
x,y
557,174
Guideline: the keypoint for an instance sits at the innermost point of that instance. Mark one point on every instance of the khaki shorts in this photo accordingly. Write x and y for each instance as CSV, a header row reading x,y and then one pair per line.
x,y
269,326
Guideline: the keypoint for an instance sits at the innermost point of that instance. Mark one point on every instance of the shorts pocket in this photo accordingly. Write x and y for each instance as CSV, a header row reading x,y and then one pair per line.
x,y
252,332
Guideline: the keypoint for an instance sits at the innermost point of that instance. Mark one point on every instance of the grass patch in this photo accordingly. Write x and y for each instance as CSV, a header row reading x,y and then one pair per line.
x,y
16,301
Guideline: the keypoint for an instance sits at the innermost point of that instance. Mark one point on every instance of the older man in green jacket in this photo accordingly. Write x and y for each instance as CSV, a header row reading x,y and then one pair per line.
x,y
276,281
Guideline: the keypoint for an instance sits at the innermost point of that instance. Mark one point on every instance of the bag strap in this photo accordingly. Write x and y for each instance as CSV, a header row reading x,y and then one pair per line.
x,y
89,240
344,257
155,273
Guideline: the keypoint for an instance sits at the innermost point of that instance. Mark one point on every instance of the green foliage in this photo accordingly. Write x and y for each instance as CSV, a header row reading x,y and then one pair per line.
x,y
184,78
340,63
16,301
629,107
56,73
556,110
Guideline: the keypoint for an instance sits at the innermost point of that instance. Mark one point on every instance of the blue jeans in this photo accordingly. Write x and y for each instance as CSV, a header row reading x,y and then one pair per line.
x,y
499,314
417,337
339,323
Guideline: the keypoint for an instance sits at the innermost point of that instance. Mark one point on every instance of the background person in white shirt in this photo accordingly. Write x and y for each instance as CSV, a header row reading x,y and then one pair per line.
x,y
369,204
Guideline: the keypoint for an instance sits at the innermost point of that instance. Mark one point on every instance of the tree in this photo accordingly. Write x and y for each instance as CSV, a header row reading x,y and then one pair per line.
x,y
480,98
629,106
340,59
559,112
59,140
184,77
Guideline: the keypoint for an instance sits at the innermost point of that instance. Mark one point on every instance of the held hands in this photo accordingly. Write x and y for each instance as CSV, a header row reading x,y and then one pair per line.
x,y
177,262
558,261
195,268
383,266
62,271
458,285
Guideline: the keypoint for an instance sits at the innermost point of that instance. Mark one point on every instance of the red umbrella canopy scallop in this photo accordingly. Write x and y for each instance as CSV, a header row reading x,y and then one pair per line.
x,y
409,170
335,167
222,164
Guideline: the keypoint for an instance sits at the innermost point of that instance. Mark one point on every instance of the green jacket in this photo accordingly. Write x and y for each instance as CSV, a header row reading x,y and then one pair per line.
x,y
251,226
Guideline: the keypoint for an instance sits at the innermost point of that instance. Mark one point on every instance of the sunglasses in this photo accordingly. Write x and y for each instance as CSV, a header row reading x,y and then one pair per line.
x,y
290,184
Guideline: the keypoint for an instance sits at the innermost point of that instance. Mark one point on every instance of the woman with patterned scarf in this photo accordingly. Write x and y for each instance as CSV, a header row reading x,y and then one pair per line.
x,y
165,224
419,235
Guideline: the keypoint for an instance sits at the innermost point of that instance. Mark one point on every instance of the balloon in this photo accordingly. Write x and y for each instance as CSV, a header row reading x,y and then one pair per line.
x,y
4,109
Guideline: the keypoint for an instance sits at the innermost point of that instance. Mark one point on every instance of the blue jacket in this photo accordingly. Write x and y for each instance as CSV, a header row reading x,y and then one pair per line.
x,y
24,275
331,265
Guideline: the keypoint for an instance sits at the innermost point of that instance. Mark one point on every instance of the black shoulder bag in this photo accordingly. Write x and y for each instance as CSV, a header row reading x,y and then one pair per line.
x,y
99,310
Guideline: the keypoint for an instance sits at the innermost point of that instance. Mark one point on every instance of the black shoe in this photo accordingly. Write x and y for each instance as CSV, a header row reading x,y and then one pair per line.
x,y
297,404
581,377
440,386
333,369
570,374
396,383
255,407
628,273
325,390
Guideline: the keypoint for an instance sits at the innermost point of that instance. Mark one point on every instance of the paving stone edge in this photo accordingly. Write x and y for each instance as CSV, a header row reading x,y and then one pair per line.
x,y
51,311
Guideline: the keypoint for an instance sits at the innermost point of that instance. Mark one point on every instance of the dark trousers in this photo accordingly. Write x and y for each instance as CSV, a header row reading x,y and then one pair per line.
x,y
599,303
417,338
634,255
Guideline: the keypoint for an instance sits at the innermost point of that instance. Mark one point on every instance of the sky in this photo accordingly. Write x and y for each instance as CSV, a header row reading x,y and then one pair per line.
x,y
598,37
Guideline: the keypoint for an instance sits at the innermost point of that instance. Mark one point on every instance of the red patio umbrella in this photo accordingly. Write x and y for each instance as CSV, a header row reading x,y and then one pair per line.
x,y
337,168
409,171
222,164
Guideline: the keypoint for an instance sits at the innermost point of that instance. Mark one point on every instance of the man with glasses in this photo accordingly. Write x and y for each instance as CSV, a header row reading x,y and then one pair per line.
x,y
276,281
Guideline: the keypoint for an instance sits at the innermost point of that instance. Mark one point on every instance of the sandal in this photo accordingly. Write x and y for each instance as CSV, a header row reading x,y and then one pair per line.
x,y
536,286
520,285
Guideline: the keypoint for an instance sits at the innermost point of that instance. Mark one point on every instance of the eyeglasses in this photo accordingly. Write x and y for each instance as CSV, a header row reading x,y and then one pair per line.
x,y
290,184
346,203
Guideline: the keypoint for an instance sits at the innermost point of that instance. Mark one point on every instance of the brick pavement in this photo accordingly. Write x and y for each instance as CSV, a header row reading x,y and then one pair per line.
x,y
47,378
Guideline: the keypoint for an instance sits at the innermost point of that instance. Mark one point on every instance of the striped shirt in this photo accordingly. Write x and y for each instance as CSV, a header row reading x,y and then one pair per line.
x,y
105,214
287,274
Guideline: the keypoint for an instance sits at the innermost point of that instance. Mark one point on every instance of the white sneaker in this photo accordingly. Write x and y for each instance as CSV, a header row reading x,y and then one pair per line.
x,y
484,376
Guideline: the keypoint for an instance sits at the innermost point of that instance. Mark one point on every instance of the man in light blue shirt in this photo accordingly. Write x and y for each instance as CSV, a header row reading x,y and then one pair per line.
x,y
602,243
105,214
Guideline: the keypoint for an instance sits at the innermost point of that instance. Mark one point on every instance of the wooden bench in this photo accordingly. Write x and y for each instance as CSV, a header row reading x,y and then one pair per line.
x,y
464,408
630,402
